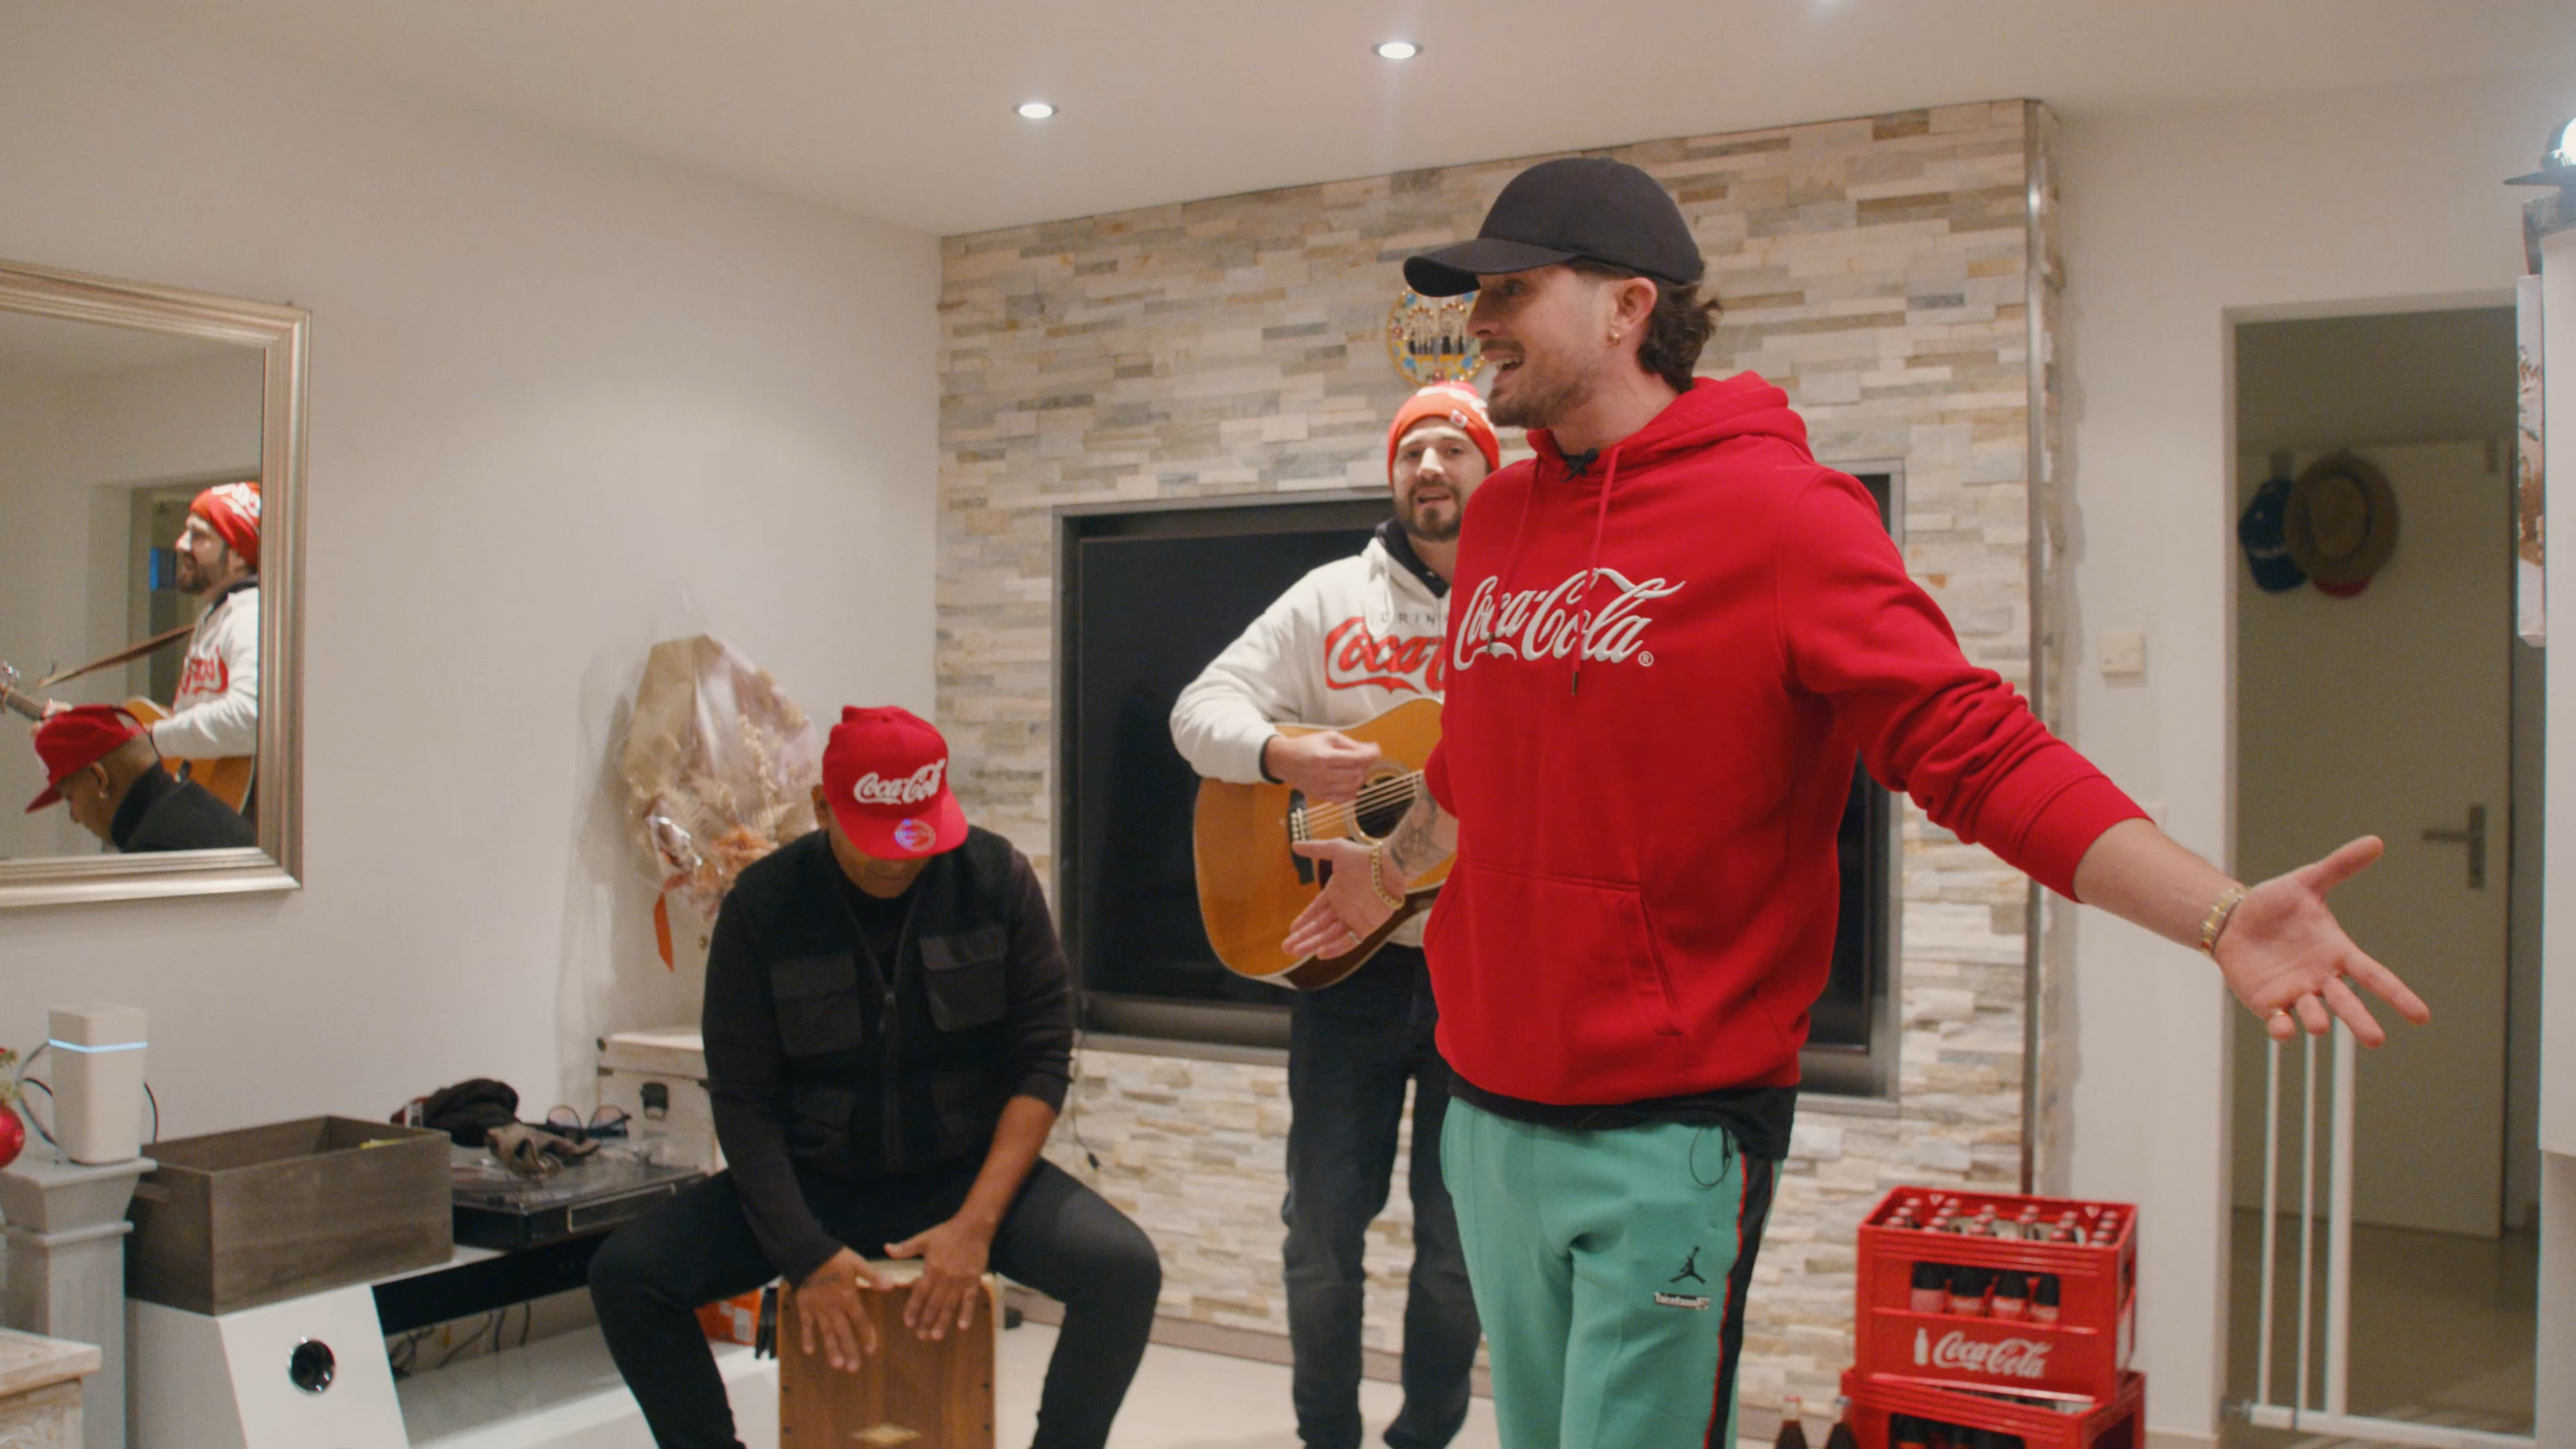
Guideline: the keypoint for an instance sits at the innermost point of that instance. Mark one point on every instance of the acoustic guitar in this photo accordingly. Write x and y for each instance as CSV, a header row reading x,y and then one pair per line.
x,y
1251,885
226,779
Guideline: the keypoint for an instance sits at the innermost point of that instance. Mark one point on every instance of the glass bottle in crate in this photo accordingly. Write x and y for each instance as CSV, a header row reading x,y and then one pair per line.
x,y
1793,1427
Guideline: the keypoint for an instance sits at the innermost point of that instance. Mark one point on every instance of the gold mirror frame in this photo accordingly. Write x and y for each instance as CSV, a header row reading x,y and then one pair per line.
x,y
281,332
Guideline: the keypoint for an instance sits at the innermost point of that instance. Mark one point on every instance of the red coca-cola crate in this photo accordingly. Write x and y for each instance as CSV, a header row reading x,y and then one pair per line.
x,y
2081,1356
2119,1421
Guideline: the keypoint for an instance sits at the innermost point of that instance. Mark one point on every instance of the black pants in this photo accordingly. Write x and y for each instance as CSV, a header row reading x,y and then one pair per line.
x,y
1352,1048
1060,1238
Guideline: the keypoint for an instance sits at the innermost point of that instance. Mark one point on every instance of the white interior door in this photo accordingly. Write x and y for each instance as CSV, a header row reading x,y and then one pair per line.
x,y
2390,714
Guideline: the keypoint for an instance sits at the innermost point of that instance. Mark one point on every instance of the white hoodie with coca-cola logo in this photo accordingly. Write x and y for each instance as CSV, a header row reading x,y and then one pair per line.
x,y
1345,644
216,712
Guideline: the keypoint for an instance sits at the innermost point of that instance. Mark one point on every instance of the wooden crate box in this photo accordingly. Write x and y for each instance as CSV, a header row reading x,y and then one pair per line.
x,y
264,1214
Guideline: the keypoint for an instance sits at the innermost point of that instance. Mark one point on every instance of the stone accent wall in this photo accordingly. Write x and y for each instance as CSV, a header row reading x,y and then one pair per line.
x,y
1880,269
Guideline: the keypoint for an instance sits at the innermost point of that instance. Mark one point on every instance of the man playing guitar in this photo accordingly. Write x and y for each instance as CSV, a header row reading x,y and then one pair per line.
x,y
216,711
1344,644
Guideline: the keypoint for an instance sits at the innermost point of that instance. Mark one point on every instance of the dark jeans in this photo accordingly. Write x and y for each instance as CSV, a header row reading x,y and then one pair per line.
x,y
1351,1049
1060,1238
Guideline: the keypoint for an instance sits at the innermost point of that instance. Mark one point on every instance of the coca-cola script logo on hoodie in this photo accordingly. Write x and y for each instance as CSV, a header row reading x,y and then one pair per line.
x,y
204,674
912,789
1354,657
1603,621
2007,1358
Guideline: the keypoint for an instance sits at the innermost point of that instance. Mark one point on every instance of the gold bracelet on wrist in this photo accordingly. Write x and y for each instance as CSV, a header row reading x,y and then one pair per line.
x,y
1377,879
2214,925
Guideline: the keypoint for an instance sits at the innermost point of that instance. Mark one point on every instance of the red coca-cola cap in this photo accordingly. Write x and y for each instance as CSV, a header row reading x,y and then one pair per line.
x,y
76,739
885,770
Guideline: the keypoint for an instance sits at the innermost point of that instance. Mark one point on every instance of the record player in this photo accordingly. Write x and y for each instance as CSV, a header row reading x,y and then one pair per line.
x,y
497,1208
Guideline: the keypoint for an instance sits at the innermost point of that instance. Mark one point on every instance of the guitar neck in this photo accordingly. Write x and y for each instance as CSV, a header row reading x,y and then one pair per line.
x,y
21,704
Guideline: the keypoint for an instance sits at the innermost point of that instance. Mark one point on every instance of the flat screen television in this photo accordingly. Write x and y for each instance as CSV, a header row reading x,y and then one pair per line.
x,y
1146,597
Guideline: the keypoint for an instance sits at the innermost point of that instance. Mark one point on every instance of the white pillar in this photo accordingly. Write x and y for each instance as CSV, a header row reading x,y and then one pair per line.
x,y
2556,1406
66,1235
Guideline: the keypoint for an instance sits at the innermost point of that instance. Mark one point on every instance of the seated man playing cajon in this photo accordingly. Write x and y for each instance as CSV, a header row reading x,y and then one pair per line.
x,y
888,1038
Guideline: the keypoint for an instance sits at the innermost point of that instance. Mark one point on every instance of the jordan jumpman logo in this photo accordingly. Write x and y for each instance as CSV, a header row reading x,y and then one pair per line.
x,y
1690,1269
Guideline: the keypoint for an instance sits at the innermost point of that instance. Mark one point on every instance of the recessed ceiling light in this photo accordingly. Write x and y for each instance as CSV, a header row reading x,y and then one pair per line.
x,y
1397,50
1035,110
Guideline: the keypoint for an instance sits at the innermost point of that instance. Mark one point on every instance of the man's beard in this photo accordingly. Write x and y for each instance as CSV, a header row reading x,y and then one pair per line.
x,y
190,575
1409,518
1535,399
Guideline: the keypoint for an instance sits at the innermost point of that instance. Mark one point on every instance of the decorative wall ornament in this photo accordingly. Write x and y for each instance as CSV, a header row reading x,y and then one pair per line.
x,y
1428,340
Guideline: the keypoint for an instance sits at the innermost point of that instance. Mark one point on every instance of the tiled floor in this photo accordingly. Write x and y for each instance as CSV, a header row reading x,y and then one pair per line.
x,y
1188,1400
2442,1329
563,1393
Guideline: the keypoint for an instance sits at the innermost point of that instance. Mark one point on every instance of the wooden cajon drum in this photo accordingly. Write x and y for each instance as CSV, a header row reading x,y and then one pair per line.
x,y
912,1393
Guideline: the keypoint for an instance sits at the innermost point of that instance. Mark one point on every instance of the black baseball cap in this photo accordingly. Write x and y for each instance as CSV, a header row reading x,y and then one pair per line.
x,y
1587,207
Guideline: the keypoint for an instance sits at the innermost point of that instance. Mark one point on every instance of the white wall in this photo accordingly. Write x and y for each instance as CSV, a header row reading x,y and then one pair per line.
x,y
563,403
2173,222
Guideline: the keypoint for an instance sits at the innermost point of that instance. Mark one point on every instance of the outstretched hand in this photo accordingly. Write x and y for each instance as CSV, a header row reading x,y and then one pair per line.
x,y
1347,913
2288,959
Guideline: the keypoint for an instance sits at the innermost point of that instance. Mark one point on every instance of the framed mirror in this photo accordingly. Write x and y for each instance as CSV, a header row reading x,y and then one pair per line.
x,y
151,612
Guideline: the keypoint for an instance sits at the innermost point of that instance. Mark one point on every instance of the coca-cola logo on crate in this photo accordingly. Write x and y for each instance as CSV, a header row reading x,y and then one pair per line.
x,y
2005,1358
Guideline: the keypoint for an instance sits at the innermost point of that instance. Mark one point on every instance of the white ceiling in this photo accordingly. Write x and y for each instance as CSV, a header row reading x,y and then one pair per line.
x,y
902,111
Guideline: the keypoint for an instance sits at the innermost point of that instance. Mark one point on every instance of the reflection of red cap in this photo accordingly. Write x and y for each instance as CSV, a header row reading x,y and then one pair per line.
x,y
886,773
1454,403
76,739
232,510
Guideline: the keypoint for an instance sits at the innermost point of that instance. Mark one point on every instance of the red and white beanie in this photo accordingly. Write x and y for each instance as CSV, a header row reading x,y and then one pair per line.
x,y
1454,403
232,511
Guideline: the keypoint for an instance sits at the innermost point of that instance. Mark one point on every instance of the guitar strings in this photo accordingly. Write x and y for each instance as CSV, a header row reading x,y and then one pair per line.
x,y
1377,794
1341,816
1382,793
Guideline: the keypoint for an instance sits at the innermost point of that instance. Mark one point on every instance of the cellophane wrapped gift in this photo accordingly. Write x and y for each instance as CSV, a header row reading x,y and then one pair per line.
x,y
720,768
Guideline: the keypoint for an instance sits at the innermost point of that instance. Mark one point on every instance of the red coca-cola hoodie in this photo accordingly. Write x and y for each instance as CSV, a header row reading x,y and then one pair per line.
x,y
1660,670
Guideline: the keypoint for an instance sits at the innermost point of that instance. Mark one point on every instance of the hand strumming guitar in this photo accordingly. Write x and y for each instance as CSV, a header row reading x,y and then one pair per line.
x,y
1327,765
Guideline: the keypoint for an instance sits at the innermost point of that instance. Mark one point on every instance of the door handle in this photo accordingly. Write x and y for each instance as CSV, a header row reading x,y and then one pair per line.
x,y
2475,838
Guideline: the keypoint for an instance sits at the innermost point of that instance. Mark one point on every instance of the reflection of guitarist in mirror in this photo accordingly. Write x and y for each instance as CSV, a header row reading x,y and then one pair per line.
x,y
1344,645
213,723
99,760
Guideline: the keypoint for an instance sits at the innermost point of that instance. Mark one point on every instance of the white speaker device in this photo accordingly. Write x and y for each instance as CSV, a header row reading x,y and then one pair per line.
x,y
98,1081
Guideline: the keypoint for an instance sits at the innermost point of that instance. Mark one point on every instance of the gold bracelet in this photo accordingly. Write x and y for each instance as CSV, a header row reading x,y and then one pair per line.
x,y
2214,925
1377,879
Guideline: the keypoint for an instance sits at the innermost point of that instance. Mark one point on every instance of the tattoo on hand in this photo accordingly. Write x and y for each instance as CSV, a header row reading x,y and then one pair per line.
x,y
1411,848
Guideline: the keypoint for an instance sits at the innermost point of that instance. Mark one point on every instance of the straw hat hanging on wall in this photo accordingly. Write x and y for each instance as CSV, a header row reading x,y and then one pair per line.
x,y
2341,524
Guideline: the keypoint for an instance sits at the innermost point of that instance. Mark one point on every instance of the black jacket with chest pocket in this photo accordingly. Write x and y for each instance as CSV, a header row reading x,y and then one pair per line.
x,y
817,1065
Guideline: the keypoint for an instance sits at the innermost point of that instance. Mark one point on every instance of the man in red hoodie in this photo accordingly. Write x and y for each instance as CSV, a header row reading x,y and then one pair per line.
x,y
1669,634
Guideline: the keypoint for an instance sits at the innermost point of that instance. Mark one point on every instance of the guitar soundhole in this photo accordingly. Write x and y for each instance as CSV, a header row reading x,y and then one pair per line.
x,y
1381,808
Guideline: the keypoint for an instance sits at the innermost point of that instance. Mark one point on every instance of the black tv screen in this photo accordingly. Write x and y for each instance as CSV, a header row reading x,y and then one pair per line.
x,y
1147,598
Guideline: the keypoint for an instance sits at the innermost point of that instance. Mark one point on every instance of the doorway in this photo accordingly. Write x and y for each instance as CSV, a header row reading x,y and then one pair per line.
x,y
2404,708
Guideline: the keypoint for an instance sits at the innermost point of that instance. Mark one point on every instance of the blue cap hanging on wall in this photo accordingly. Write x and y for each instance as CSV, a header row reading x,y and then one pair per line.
x,y
2267,551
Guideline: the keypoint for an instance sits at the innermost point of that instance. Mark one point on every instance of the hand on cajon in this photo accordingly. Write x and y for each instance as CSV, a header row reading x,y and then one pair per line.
x,y
904,1391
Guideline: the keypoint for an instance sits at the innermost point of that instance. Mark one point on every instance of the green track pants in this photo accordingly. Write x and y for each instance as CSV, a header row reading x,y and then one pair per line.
x,y
1610,1268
